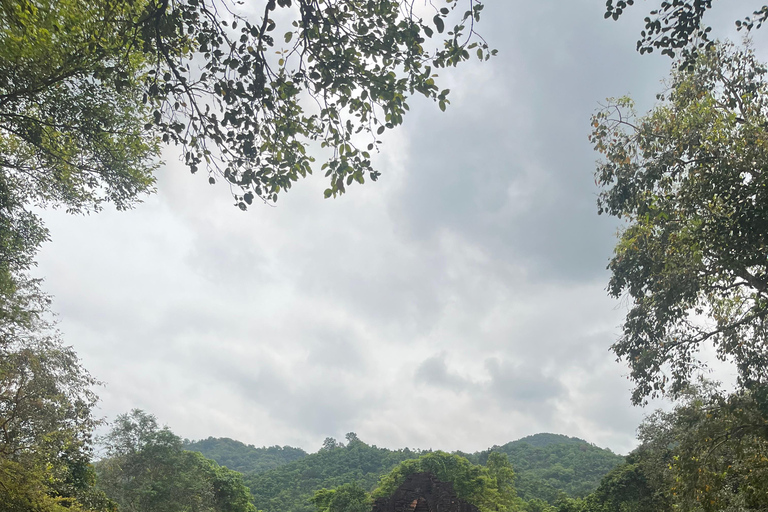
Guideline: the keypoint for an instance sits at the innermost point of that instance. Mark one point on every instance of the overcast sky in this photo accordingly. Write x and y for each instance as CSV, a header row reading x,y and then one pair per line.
x,y
457,303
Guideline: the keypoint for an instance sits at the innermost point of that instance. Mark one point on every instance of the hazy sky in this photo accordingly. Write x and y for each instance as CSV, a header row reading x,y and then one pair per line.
x,y
457,303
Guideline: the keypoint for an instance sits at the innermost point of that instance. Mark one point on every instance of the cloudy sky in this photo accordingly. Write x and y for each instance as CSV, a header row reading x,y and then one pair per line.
x,y
457,303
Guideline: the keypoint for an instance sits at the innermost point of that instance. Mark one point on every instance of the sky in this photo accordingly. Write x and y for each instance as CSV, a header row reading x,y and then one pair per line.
x,y
457,303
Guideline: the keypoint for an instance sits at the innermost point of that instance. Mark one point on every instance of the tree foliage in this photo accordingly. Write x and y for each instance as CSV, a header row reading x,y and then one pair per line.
x,y
688,180
677,27
714,448
345,498
244,458
630,487
89,87
708,454
549,467
147,469
90,90
46,422
291,486
490,488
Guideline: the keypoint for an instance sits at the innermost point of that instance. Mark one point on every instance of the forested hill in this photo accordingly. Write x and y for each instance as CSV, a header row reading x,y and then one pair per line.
x,y
289,487
242,457
548,465
545,439
282,479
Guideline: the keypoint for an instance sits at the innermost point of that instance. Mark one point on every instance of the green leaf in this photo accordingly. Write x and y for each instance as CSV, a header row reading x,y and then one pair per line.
x,y
439,24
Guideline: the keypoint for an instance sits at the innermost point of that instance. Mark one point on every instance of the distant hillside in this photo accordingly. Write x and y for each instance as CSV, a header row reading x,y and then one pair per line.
x,y
288,488
549,465
545,439
244,458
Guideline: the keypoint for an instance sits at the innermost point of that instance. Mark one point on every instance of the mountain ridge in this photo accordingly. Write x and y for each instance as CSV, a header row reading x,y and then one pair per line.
x,y
548,467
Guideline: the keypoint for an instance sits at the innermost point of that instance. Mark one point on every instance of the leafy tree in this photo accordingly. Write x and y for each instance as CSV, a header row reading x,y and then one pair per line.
x,y
677,27
147,469
291,487
46,421
342,68
628,488
489,488
331,443
711,450
88,90
345,498
72,126
244,458
537,505
550,467
688,181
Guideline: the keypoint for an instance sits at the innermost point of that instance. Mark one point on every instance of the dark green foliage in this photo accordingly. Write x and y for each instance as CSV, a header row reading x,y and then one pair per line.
x,y
290,487
545,439
302,71
244,458
711,451
489,487
537,505
46,424
550,466
345,498
707,455
546,467
625,489
677,27
688,181
147,470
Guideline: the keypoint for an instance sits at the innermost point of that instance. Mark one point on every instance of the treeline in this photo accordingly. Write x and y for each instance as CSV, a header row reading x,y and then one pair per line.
x,y
547,468
242,457
709,454
290,487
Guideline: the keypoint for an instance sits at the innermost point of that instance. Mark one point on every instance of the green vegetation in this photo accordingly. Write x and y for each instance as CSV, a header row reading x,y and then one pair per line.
x,y
345,498
688,179
290,487
489,488
244,458
708,455
147,470
45,413
543,467
551,466
89,92
678,28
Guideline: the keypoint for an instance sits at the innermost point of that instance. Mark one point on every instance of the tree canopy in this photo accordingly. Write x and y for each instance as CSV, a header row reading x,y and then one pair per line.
x,y
688,181
90,92
244,458
489,488
147,469
46,421
90,88
707,454
291,486
677,27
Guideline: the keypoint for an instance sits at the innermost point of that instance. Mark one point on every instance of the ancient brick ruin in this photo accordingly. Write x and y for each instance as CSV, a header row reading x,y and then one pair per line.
x,y
422,492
